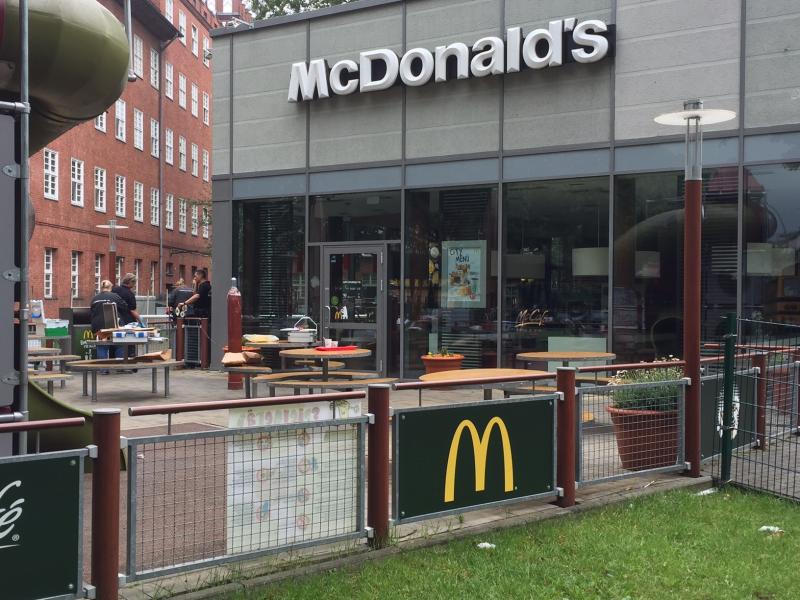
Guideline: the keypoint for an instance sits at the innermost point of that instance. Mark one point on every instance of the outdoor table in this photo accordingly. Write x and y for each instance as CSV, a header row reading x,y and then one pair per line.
x,y
93,366
325,356
126,342
466,375
565,356
43,351
282,345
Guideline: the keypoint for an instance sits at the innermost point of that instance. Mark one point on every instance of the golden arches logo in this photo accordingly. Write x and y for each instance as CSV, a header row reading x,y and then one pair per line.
x,y
480,446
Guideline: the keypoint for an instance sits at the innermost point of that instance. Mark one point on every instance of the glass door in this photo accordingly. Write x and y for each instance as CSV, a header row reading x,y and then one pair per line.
x,y
354,302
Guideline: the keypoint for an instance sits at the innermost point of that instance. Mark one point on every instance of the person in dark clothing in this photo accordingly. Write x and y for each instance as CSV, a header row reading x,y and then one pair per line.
x,y
179,294
201,299
125,291
106,296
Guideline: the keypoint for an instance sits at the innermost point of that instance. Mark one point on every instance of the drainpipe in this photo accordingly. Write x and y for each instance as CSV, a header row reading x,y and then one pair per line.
x,y
161,148
24,212
129,31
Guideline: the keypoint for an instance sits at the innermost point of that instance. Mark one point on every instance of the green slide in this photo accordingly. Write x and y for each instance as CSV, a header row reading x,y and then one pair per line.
x,y
42,405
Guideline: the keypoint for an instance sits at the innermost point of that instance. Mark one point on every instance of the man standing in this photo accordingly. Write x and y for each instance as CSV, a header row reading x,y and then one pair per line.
x,y
130,315
179,294
105,297
201,299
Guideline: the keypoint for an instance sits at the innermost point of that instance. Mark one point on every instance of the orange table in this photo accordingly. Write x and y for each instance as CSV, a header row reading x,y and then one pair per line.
x,y
325,356
464,376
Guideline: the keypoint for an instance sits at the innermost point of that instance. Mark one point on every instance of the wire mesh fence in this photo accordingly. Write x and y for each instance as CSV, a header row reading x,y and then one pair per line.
x,y
630,428
210,497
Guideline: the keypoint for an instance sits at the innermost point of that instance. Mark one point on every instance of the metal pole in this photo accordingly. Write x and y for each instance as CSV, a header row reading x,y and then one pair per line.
x,y
760,362
692,235
727,401
378,466
204,344
105,503
567,435
234,300
179,339
112,251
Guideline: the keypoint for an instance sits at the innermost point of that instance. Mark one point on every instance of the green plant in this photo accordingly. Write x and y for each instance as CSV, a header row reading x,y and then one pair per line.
x,y
443,353
647,398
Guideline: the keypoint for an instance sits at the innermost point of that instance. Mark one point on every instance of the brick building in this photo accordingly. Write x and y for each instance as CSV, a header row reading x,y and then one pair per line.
x,y
145,162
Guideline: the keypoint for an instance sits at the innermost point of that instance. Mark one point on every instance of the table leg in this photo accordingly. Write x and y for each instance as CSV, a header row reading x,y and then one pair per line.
x,y
253,388
61,368
154,375
166,382
272,391
50,387
94,386
324,370
487,393
246,385
85,383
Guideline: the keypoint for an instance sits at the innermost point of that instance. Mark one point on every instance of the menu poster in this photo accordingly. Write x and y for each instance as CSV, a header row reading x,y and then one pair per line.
x,y
464,274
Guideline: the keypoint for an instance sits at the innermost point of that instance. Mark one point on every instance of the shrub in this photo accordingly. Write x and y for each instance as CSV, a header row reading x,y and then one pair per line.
x,y
647,398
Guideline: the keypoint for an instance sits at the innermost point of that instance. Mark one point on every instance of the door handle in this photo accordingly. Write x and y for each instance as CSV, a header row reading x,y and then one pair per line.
x,y
325,327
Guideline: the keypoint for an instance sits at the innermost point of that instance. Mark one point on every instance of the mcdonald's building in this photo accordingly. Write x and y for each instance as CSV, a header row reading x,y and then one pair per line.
x,y
487,176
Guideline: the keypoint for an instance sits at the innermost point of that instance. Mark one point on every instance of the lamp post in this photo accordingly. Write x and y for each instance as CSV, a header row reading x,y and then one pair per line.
x,y
692,118
112,227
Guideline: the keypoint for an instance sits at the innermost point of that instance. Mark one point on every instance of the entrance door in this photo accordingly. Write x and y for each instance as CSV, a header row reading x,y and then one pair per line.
x,y
354,301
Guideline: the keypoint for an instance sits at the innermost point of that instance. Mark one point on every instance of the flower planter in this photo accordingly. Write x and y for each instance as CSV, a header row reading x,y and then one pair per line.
x,y
646,439
435,364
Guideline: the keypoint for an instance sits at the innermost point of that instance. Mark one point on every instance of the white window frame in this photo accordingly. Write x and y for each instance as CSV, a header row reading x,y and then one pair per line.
x,y
138,56
195,219
100,189
206,228
169,11
138,201
181,215
169,212
195,40
75,274
119,120
195,95
155,74
206,166
182,26
153,266
195,151
98,272
138,129
155,208
206,50
168,79
155,138
50,162
100,122
169,146
182,90
137,267
119,195
49,257
118,269
76,182
206,108
182,153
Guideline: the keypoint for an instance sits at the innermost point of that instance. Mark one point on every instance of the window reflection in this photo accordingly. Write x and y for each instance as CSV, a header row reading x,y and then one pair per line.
x,y
355,217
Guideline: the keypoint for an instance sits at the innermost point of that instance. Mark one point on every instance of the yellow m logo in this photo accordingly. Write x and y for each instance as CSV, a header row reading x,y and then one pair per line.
x,y
480,446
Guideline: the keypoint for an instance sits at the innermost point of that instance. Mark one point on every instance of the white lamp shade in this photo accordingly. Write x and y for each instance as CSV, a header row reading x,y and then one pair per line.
x,y
525,266
647,264
587,262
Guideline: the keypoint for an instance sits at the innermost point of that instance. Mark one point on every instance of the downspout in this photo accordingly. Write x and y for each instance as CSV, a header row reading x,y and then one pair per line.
x,y
129,31
24,194
161,149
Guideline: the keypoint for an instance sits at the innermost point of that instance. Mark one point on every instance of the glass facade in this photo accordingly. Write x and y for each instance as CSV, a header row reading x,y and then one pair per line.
x,y
355,217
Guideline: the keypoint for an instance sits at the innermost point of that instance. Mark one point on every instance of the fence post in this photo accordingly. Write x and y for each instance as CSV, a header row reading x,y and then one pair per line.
x,y
105,503
179,339
234,331
760,362
796,399
727,398
566,436
205,344
378,465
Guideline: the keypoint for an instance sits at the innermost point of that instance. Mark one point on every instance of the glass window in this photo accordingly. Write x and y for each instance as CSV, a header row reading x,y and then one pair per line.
x,y
100,122
355,217
74,274
155,207
168,80
169,210
76,179
154,138
154,77
98,272
269,256
206,104
49,253
138,129
182,216
119,195
119,120
138,56
195,96
138,201
555,267
181,90
182,26
450,280
169,147
99,189
169,10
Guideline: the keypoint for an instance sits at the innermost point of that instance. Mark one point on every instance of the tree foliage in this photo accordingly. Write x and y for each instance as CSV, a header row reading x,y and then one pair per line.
x,y
263,9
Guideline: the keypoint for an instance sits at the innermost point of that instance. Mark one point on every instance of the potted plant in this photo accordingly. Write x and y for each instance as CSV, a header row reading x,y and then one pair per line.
x,y
442,361
645,419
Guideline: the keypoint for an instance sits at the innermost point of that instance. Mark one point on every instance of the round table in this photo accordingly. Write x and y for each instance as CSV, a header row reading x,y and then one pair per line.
x,y
280,345
467,375
565,356
325,356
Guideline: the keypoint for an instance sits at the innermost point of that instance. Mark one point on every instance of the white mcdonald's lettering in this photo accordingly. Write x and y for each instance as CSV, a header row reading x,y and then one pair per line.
x,y
8,516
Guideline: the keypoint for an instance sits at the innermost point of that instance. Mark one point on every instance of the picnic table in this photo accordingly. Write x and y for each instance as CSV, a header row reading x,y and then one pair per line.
x,y
565,356
464,376
92,367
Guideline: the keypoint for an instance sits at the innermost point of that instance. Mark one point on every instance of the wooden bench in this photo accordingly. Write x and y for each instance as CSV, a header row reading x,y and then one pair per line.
x,y
48,361
49,379
333,365
335,384
248,372
92,367
593,378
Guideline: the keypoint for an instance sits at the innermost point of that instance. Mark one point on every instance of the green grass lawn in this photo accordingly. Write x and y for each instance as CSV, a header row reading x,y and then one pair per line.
x,y
674,545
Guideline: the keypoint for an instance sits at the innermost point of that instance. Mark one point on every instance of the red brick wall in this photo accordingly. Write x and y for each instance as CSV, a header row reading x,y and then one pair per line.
x,y
67,228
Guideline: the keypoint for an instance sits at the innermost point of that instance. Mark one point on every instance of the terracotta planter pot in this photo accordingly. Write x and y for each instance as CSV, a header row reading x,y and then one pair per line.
x,y
646,439
435,364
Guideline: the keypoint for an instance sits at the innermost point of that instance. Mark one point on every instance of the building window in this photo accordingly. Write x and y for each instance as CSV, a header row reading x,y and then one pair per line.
x,y
137,269
138,129
100,122
119,195
74,274
182,272
205,165
138,56
155,142
169,210
206,50
195,92
76,178
119,120
194,160
182,153
194,219
195,41
168,80
181,90
169,11
168,144
49,254
182,26
155,207
98,272
206,223
153,267
51,174
138,201
182,216
99,189
206,108
118,269
154,73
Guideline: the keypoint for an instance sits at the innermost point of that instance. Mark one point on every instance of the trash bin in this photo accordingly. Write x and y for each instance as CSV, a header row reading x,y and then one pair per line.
x,y
80,328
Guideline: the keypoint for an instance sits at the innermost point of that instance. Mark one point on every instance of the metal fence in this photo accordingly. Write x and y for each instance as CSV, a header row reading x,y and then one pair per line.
x,y
199,499
617,439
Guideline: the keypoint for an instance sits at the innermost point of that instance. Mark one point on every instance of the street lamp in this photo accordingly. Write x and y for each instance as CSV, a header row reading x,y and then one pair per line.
x,y
112,246
693,117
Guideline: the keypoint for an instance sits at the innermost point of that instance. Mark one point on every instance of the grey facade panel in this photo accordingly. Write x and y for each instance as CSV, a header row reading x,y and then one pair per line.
x,y
527,14
670,156
355,180
773,147
221,269
276,186
562,164
452,173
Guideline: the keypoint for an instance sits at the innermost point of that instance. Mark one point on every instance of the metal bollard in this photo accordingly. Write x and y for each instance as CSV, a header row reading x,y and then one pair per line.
x,y
105,503
234,301
567,432
378,465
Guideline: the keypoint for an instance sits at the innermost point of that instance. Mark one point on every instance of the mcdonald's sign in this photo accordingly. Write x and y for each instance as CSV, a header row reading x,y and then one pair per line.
x,y
456,457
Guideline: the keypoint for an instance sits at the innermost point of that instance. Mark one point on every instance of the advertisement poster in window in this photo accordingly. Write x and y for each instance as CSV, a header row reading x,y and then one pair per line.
x,y
464,274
